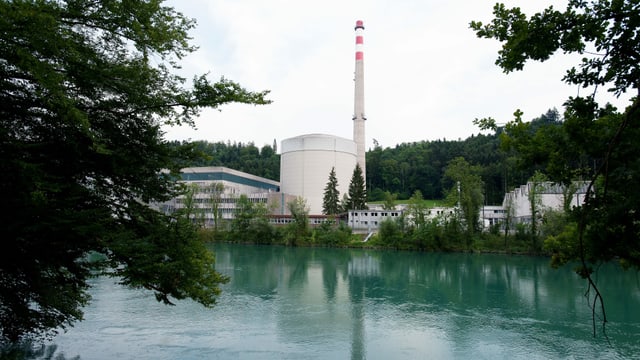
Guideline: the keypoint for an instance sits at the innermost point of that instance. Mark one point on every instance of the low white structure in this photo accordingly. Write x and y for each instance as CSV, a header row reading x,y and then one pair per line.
x,y
366,221
306,162
516,204
492,215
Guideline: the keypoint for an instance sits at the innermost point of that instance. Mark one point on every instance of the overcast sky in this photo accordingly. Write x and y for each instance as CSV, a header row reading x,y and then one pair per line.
x,y
427,76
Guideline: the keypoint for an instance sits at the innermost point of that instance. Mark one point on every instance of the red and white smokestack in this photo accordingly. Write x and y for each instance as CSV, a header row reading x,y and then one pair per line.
x,y
358,114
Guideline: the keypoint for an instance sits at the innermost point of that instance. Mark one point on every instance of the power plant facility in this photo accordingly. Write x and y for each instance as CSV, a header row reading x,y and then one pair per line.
x,y
307,160
305,164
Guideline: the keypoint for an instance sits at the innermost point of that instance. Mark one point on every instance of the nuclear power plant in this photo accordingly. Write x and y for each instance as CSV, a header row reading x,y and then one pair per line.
x,y
305,164
307,160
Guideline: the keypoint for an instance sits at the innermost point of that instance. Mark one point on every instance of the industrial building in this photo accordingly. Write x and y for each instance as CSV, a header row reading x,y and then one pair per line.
x,y
217,189
305,164
306,160
516,205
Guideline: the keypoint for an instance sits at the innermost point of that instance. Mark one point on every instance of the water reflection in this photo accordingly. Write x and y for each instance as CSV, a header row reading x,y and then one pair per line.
x,y
449,295
290,303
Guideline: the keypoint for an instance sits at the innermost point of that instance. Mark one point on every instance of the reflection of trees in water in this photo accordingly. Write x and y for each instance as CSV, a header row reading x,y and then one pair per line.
x,y
465,280
499,286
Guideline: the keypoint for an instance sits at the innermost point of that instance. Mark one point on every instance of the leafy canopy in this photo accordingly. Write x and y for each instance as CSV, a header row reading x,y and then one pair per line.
x,y
84,88
465,191
607,35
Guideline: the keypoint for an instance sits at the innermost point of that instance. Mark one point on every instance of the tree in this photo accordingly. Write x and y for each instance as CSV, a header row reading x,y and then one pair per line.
x,y
389,201
536,187
299,228
84,88
190,208
605,33
466,191
215,199
509,210
250,222
344,203
416,209
357,191
331,198
390,232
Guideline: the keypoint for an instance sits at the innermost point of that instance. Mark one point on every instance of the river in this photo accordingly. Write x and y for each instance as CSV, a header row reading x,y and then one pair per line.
x,y
316,303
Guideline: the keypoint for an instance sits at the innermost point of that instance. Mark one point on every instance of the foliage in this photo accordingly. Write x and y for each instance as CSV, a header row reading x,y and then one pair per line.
x,y
416,209
331,197
605,34
389,201
599,134
465,191
27,350
264,161
190,209
390,232
553,223
250,222
357,199
84,88
408,167
298,230
328,233
536,187
215,191
165,256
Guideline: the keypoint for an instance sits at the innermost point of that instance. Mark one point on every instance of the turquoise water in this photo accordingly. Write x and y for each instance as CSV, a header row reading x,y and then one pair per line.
x,y
302,303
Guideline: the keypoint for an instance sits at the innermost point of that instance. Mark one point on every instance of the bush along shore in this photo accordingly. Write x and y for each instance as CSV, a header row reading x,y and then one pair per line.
x,y
433,236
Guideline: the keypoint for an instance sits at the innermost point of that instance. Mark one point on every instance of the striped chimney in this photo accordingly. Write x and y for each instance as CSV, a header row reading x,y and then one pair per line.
x,y
358,115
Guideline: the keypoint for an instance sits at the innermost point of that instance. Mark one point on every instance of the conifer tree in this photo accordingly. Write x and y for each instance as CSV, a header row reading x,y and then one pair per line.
x,y
331,199
357,191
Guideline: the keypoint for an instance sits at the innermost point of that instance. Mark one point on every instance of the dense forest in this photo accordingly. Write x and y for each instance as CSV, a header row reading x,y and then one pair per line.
x,y
400,170
239,156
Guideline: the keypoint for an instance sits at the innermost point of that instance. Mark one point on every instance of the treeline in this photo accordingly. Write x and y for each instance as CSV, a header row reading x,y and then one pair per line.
x,y
408,167
400,170
264,161
410,231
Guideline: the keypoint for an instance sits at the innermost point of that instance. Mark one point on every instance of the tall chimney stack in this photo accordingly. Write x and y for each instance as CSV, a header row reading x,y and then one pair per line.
x,y
358,114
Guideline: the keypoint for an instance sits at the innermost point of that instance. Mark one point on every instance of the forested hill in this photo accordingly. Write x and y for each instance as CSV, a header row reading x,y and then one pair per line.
x,y
402,169
264,162
408,167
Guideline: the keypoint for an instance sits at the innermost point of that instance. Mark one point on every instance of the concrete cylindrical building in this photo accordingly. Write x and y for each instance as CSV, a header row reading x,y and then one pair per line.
x,y
305,164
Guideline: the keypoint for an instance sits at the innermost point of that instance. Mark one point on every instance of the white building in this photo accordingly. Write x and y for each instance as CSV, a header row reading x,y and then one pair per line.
x,y
516,203
306,162
366,221
225,186
551,197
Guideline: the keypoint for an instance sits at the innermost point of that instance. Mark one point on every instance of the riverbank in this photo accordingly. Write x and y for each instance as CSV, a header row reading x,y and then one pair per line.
x,y
485,243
